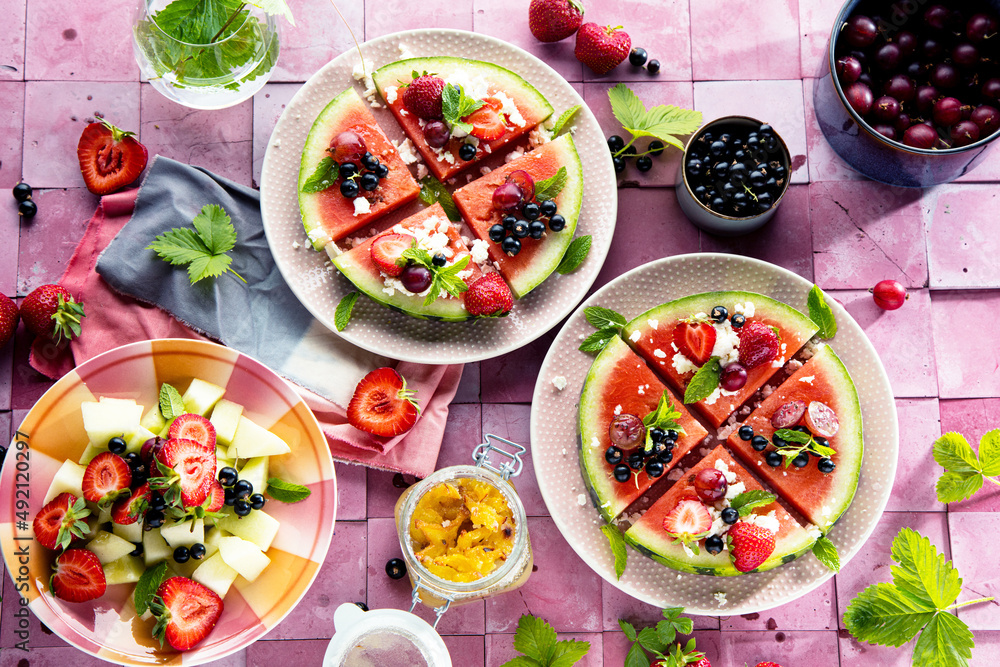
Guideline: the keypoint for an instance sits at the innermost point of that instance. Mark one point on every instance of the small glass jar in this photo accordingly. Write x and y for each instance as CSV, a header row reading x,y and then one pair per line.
x,y
440,593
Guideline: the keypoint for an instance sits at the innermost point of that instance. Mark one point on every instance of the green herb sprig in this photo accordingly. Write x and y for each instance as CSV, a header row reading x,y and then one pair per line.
x,y
617,542
549,188
433,191
345,308
659,641
664,417
704,381
608,324
442,277
803,442
456,105
665,122
577,251
821,313
204,249
966,471
564,119
540,646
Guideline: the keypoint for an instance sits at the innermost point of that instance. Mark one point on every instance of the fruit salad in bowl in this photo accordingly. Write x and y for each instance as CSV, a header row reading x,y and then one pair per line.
x,y
167,497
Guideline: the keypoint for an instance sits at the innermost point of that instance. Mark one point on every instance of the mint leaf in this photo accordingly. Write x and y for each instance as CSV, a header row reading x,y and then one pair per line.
x,y
617,541
147,586
665,122
564,118
549,188
342,315
805,441
603,318
664,417
705,380
598,340
989,453
442,277
788,435
433,191
171,403
952,452
326,174
577,251
456,105
821,313
286,492
535,638
826,552
750,500
204,248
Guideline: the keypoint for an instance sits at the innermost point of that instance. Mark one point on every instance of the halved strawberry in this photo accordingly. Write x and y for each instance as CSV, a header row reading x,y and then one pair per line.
x,y
759,344
382,405
129,510
110,158
193,470
106,477
695,340
60,521
387,250
489,297
749,545
78,576
487,123
216,497
185,612
194,427
689,521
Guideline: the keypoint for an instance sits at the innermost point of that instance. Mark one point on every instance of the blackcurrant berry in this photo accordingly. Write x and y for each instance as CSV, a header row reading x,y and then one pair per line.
x,y
730,516
548,207
116,445
644,163
619,164
369,161
369,181
746,432
349,189
395,568
257,501
622,473
826,466
635,461
382,171
242,507
520,229
243,488
181,555
27,209
497,232
348,169
557,223
653,66
654,469
531,210
773,458
615,143
22,192
758,442
510,245
197,551
638,57
613,455
720,314
467,152
508,222
713,544
439,260
657,434
655,148
801,461
228,476
536,229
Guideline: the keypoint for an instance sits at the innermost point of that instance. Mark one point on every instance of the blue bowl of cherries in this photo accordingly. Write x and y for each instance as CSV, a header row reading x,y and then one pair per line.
x,y
734,173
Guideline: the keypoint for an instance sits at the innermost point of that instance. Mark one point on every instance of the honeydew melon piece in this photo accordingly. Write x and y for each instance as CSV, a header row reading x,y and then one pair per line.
x,y
258,527
138,439
212,538
109,547
125,570
155,548
183,533
104,514
225,418
110,417
222,458
252,440
243,556
215,574
131,532
90,453
153,419
68,479
201,397
255,472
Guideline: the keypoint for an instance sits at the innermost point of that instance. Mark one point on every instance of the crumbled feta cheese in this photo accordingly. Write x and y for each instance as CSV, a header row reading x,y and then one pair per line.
x,y
727,344
653,324
687,550
807,378
390,94
746,308
595,442
421,171
636,335
559,382
723,467
721,599
296,245
767,521
404,51
718,393
510,110
642,390
363,73
484,170
813,531
734,490
480,251
514,154
659,354
618,409
406,151
581,500
362,205
682,364
538,136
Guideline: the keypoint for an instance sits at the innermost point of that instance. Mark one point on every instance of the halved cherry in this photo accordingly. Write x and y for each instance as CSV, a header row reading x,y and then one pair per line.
x,y
525,182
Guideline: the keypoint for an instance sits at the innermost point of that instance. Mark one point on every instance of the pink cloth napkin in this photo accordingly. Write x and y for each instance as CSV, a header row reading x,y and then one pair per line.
x,y
115,319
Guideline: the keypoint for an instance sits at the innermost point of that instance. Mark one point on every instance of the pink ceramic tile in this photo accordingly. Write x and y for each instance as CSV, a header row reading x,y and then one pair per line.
x,y
902,339
512,422
80,42
859,654
12,40
220,140
467,650
468,387
618,605
341,579
6,380
776,102
10,231
735,39
665,166
317,37
662,27
786,240
512,376
871,564
495,19
815,611
27,384
351,491
386,593
970,532
382,490
916,472
710,642
500,648
816,19
563,589
785,648
298,652
11,134
968,361
867,232
56,112
48,241
268,105
49,657
962,240
972,417
824,163
382,18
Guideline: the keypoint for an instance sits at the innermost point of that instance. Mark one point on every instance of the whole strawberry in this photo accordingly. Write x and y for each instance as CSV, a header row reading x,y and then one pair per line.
x,y
489,297
759,344
422,97
8,319
553,20
52,312
602,48
750,545
110,158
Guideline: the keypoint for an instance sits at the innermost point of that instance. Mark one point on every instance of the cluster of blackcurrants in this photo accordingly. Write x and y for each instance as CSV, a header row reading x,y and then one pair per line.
x,y
774,458
136,465
366,177
239,492
637,58
653,459
26,208
509,231
736,174
620,155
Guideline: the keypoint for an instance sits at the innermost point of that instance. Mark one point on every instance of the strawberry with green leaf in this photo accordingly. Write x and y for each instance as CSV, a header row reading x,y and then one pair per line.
x,y
51,311
60,521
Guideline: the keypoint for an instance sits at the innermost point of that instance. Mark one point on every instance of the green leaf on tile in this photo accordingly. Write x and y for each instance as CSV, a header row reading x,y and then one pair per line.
x,y
965,471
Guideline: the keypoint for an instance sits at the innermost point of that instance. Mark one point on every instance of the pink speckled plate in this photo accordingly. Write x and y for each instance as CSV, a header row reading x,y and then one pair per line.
x,y
555,440
374,327
53,432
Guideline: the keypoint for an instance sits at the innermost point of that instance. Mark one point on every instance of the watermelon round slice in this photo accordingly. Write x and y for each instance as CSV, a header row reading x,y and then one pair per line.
x,y
327,215
358,267
524,106
651,335
537,258
819,497
648,537
620,382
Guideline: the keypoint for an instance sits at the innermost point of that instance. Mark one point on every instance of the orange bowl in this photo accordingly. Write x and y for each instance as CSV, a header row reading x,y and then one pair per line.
x,y
52,432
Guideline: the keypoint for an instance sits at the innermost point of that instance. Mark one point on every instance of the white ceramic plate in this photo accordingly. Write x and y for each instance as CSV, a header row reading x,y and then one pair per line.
x,y
555,440
374,327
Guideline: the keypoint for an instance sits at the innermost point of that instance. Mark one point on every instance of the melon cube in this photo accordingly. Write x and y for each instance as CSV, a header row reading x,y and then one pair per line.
x,y
109,547
104,514
110,417
252,440
215,574
201,396
125,570
244,557
183,533
155,548
68,479
255,472
222,457
212,538
138,439
131,532
153,419
258,527
225,419
91,452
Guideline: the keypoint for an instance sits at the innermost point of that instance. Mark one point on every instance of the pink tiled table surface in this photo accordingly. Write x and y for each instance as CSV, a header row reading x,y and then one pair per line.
x,y
57,69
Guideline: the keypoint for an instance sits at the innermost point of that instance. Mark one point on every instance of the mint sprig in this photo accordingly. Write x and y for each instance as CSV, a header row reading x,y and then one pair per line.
x,y
746,502
805,443
549,188
342,316
659,641
704,382
540,646
325,175
966,471
433,191
456,105
617,543
665,122
286,492
146,587
171,403
442,277
564,118
664,417
826,552
608,324
821,313
577,251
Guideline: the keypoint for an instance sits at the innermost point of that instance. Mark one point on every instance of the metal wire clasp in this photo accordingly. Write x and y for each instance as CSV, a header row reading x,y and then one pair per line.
x,y
508,469
415,598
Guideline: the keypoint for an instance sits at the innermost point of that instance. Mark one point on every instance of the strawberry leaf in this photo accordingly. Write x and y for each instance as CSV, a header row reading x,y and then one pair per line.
x,y
617,542
535,638
575,254
203,248
344,309
953,452
953,487
665,122
989,453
